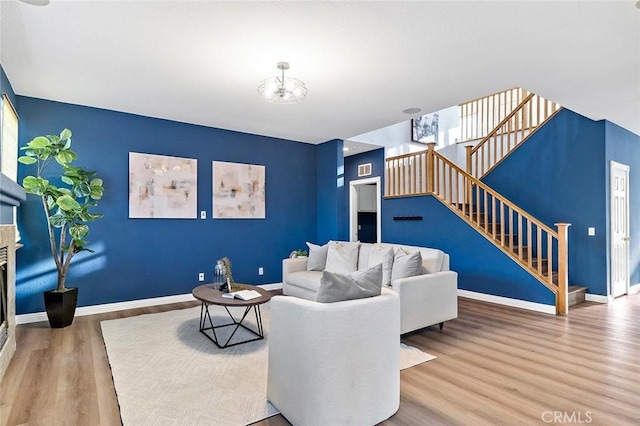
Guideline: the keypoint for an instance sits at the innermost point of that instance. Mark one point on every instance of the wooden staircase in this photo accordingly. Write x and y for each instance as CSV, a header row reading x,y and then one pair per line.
x,y
537,248
503,121
531,113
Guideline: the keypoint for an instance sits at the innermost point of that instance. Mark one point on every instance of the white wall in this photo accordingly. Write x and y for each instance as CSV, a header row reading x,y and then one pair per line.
x,y
396,139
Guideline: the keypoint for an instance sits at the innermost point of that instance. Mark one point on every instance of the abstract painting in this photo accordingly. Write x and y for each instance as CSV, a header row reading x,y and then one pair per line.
x,y
238,191
425,128
162,187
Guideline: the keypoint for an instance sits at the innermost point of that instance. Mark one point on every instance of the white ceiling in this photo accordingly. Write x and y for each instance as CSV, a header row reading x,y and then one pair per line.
x,y
363,62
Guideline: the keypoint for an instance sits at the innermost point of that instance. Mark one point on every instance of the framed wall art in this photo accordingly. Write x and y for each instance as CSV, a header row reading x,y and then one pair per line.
x,y
424,129
162,187
238,191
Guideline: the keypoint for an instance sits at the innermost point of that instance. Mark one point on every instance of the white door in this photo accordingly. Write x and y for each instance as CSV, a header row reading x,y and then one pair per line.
x,y
619,216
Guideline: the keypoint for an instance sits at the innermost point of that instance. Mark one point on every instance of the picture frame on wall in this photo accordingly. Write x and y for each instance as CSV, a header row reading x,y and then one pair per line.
x,y
238,190
162,187
424,129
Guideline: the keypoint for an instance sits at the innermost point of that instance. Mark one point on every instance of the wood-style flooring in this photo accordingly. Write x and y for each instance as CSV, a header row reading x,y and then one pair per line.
x,y
496,366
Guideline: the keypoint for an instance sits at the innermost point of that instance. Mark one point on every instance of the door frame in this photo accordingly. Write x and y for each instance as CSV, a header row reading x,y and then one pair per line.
x,y
613,165
353,207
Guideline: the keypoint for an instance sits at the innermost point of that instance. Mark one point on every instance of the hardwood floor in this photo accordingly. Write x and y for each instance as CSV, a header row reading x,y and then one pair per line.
x,y
495,366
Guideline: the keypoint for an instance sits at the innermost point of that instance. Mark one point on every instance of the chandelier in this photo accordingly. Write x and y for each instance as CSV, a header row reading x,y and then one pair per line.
x,y
282,90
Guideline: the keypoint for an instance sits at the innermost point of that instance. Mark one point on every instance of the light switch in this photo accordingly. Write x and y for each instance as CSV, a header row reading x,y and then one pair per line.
x,y
203,214
592,231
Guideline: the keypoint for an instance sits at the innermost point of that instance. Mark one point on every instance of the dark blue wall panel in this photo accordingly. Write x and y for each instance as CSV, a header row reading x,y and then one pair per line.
x,y
480,265
330,190
558,175
624,147
143,258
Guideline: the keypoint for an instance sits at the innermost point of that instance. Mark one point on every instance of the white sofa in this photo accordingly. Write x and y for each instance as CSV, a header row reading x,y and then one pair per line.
x,y
427,299
336,363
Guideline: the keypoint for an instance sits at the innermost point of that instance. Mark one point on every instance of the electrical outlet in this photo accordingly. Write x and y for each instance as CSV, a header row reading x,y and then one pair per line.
x,y
261,271
591,231
201,276
203,214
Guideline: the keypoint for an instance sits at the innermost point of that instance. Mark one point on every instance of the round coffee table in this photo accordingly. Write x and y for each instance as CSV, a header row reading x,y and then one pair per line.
x,y
208,295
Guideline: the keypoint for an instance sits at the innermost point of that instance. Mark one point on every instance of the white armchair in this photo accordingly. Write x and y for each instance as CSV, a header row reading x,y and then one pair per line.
x,y
335,363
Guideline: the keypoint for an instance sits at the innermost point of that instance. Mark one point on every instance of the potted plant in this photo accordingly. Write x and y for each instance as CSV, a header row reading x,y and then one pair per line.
x,y
298,253
66,211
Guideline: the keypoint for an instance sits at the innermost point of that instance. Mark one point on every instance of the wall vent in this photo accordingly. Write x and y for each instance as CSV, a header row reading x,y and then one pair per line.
x,y
364,170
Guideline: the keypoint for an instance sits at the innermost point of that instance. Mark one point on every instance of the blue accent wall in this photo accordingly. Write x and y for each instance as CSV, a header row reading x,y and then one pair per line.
x,y
144,258
330,190
558,175
480,265
623,147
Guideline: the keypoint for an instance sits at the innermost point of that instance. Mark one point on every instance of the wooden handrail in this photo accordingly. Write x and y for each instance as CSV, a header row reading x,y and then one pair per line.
x,y
498,219
478,116
502,123
516,127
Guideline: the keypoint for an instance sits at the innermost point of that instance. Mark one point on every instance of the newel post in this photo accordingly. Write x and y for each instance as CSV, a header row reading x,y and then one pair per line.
x,y
431,146
468,149
562,302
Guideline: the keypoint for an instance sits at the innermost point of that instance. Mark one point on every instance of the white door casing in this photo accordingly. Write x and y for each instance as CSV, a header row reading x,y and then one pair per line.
x,y
619,228
353,206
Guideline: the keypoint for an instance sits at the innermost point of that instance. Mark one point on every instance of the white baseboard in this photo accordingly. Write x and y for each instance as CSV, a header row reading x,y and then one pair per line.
x,y
507,301
121,306
598,298
634,288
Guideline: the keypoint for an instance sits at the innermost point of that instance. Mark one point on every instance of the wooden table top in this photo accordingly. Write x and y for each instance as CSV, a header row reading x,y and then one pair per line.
x,y
208,294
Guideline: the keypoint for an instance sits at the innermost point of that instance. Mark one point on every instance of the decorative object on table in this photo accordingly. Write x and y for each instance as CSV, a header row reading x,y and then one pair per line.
x,y
224,266
238,191
298,253
162,187
66,210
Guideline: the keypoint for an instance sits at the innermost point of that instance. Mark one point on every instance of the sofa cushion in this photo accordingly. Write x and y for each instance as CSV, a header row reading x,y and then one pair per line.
x,y
342,257
309,280
383,254
432,260
358,285
317,257
406,265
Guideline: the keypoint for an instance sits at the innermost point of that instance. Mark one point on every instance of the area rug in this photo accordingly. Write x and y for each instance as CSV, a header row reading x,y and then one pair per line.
x,y
167,373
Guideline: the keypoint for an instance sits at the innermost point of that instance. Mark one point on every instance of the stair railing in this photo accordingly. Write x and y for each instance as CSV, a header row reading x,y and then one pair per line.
x,y
533,245
479,116
531,113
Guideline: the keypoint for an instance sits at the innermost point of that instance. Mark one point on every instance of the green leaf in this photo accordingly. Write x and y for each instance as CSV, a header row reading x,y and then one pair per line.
x,y
27,160
67,203
78,232
66,180
39,142
65,134
57,220
35,185
65,157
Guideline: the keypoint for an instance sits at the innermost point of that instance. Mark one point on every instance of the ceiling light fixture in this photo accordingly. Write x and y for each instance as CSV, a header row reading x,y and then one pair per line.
x,y
411,110
282,90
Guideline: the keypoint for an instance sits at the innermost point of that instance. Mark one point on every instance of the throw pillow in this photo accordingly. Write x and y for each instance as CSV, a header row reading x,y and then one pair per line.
x,y
358,285
384,255
317,257
406,265
342,258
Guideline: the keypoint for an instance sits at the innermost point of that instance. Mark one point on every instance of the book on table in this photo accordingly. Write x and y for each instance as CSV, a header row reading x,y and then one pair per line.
x,y
242,294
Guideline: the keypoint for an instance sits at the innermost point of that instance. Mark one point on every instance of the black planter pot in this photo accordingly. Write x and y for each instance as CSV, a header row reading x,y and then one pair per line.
x,y
61,306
